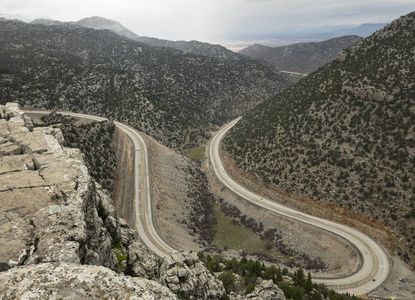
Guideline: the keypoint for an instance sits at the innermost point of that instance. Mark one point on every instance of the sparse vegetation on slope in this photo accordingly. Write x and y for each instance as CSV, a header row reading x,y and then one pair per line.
x,y
303,57
94,141
202,216
345,134
238,231
173,96
243,276
194,47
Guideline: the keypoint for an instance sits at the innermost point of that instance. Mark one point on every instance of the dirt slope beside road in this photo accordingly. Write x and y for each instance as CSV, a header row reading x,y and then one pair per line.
x,y
171,202
401,281
124,184
303,240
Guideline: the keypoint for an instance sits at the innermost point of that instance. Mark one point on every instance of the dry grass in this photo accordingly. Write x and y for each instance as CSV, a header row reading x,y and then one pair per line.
x,y
229,235
197,153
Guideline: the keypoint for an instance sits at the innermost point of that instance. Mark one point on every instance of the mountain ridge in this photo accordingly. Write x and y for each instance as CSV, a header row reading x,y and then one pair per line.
x,y
194,47
363,30
335,136
302,57
174,96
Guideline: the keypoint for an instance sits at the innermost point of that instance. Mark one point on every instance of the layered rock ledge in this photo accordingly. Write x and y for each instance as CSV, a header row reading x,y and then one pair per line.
x,y
60,234
50,208
71,281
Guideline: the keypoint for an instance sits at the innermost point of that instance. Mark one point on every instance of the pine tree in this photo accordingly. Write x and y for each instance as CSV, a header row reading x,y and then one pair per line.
x,y
279,275
299,278
308,286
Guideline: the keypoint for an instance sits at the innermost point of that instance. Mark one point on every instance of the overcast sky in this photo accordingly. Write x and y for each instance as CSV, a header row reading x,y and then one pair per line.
x,y
214,20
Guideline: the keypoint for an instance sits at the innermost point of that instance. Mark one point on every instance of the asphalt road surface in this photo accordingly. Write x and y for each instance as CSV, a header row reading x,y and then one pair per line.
x,y
144,218
375,265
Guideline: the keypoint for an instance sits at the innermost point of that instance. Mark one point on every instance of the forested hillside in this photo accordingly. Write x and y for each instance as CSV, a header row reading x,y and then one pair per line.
x,y
194,47
345,134
94,141
303,57
173,96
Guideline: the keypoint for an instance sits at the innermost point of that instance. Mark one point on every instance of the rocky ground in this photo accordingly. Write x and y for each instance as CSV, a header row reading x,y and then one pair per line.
x,y
178,190
401,282
121,147
170,188
61,236
72,281
302,239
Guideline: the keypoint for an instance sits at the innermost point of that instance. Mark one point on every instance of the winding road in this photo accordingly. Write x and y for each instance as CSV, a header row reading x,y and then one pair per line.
x,y
144,219
374,267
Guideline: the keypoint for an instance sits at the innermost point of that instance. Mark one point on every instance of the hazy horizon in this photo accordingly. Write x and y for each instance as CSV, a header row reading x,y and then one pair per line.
x,y
214,20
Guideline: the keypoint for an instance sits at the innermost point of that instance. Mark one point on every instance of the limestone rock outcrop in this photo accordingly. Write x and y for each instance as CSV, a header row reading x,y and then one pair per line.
x,y
186,276
49,202
141,262
72,281
56,222
61,237
266,290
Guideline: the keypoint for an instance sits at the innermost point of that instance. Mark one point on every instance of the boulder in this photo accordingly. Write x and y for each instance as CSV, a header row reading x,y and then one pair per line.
x,y
342,56
185,275
142,262
266,290
72,281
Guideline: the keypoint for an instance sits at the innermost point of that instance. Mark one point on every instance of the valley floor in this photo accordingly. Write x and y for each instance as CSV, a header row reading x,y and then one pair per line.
x,y
339,260
171,202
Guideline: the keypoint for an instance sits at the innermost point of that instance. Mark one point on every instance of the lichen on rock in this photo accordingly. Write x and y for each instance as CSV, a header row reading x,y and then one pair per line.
x,y
72,281
186,276
266,290
61,236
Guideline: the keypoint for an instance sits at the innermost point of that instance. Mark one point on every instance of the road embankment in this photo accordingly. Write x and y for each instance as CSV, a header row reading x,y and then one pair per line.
x,y
124,179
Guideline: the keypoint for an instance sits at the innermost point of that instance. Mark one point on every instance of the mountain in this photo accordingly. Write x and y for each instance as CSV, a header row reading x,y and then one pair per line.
x,y
345,134
312,34
363,30
98,23
174,96
303,57
195,47
102,23
47,22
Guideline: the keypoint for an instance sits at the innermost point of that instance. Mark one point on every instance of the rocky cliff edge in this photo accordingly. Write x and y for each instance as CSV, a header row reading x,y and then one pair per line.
x,y
60,235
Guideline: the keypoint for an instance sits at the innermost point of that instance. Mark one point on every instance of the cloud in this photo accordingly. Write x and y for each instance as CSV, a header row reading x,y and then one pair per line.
x,y
209,20
278,16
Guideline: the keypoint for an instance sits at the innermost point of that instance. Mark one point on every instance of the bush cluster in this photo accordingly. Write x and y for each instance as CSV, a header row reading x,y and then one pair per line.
x,y
95,142
345,134
250,272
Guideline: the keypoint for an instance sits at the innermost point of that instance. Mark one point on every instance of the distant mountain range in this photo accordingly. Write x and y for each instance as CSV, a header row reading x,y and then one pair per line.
x,y
345,134
176,97
303,57
194,47
311,34
207,49
363,30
